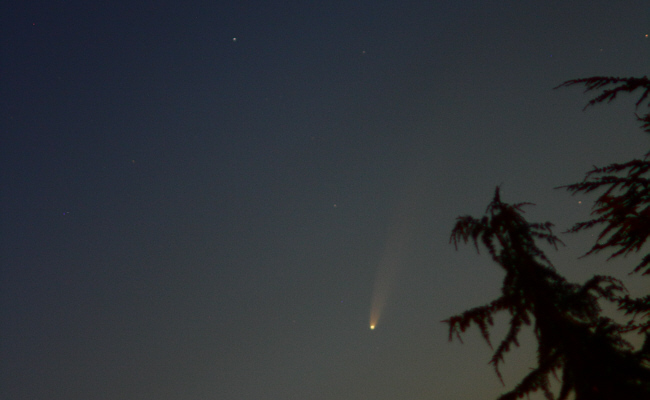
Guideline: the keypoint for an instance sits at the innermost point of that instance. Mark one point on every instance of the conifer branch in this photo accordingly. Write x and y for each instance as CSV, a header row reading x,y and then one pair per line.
x,y
568,324
623,208
625,85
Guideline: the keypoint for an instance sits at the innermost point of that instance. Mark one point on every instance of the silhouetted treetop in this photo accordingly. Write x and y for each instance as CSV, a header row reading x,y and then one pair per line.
x,y
572,335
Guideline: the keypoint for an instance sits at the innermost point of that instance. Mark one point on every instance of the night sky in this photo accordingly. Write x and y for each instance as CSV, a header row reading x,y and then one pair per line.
x,y
198,199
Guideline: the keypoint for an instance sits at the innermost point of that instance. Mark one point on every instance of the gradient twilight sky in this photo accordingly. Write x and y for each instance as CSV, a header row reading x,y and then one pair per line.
x,y
197,197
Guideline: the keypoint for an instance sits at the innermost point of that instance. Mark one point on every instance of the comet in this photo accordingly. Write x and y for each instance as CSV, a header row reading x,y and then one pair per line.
x,y
387,271
396,251
399,240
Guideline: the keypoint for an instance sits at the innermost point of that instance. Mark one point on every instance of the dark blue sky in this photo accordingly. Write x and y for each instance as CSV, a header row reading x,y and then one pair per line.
x,y
196,197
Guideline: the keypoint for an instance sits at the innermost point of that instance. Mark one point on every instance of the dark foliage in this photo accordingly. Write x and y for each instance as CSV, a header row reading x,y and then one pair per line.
x,y
624,208
640,311
621,85
573,337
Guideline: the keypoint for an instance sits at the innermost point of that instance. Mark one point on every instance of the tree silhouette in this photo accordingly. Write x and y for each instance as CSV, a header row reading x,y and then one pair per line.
x,y
573,337
624,206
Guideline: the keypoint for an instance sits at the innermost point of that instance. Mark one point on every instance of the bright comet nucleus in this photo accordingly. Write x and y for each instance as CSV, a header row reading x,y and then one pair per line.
x,y
372,327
